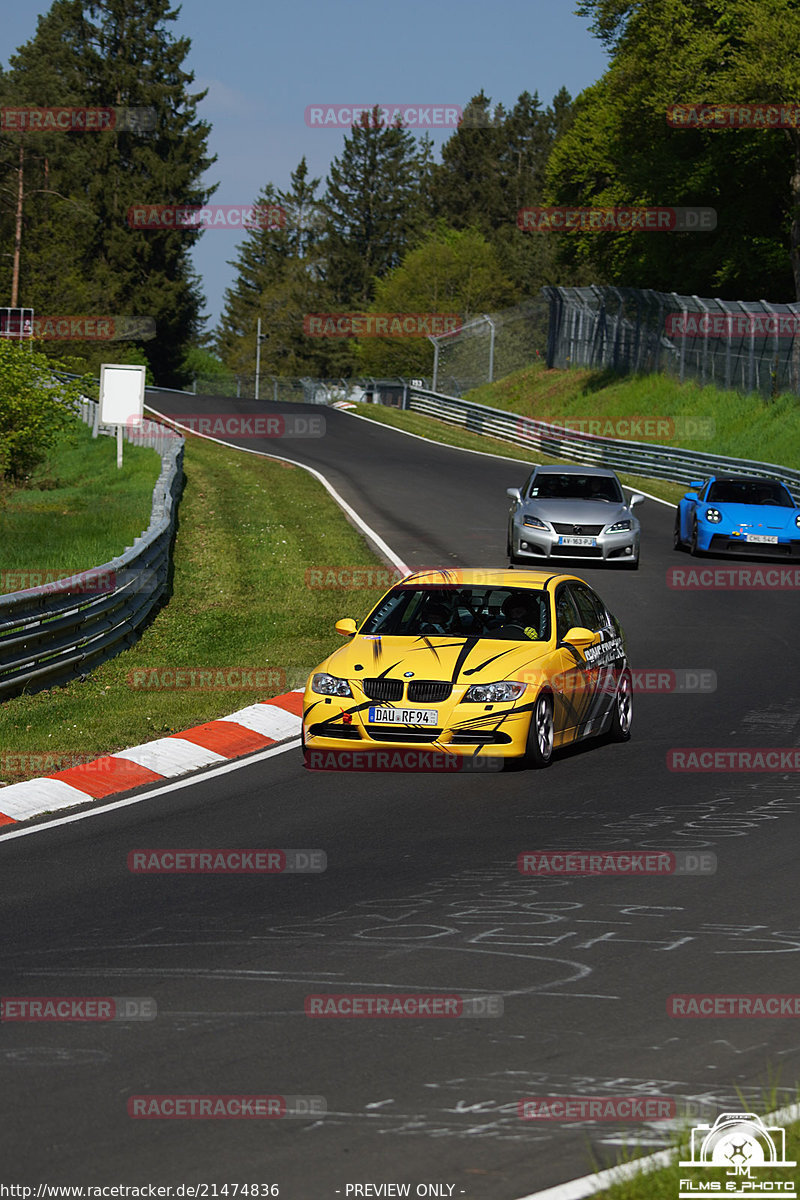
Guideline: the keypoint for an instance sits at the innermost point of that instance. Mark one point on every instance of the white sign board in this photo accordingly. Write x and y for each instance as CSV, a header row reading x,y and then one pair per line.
x,y
121,394
121,398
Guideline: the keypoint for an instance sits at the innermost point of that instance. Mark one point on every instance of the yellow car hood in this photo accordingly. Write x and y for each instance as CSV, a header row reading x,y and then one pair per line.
x,y
457,659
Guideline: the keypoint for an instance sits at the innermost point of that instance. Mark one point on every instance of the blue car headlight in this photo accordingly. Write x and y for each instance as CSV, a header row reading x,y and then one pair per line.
x,y
490,693
713,515
797,520
619,527
534,522
329,685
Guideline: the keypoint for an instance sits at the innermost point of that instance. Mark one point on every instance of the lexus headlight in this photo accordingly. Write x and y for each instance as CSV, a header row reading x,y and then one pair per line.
x,y
534,522
329,685
488,693
713,515
619,527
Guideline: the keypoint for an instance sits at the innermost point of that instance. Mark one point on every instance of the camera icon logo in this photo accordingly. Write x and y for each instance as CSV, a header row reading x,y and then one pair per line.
x,y
741,1143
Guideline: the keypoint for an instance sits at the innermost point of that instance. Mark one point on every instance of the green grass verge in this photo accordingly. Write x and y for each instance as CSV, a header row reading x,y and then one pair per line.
x,y
454,435
249,530
745,426
78,510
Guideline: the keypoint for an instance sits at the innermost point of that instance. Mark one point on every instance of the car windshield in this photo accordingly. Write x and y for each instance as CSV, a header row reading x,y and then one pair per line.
x,y
515,614
749,491
570,486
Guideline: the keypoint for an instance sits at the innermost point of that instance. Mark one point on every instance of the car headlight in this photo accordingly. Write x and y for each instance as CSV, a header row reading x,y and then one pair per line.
x,y
534,522
329,685
488,693
797,520
619,527
713,515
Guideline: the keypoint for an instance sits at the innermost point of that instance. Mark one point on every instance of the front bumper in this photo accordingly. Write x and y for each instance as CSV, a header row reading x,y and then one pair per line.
x,y
493,730
532,543
726,543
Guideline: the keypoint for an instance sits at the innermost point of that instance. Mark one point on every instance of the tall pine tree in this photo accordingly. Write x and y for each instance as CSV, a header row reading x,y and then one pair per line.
x,y
78,252
374,205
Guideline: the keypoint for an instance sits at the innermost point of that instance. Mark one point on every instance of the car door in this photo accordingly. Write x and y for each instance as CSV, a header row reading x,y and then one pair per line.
x,y
569,676
603,662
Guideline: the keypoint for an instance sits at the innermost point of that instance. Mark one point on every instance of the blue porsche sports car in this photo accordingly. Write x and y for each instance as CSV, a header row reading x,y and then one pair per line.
x,y
738,514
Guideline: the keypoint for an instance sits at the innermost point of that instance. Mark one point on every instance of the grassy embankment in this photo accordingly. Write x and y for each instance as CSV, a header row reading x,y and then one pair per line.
x,y
249,529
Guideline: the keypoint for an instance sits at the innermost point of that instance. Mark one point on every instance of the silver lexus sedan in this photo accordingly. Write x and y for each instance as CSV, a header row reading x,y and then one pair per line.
x,y
572,512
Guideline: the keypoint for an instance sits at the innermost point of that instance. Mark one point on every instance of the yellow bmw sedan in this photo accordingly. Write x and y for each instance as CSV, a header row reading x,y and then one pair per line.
x,y
511,664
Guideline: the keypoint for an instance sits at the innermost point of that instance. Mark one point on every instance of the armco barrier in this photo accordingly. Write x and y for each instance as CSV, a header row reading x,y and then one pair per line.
x,y
59,631
644,459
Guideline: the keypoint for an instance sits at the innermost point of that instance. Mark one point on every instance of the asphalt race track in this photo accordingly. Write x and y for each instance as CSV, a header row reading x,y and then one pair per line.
x,y
422,894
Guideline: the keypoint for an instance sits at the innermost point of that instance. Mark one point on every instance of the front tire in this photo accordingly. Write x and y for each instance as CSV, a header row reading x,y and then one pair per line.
x,y
541,734
694,549
677,541
622,711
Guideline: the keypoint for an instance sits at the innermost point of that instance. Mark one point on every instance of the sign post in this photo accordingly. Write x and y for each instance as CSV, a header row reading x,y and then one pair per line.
x,y
121,398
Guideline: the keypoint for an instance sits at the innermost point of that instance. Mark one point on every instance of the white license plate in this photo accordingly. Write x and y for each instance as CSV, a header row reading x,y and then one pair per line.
x,y
759,537
403,716
577,541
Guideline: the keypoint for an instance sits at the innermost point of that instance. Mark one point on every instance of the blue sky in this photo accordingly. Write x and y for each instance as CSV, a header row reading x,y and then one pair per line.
x,y
265,62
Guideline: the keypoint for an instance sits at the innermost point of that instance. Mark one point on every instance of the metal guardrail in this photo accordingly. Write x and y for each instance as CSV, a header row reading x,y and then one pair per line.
x,y
59,631
645,459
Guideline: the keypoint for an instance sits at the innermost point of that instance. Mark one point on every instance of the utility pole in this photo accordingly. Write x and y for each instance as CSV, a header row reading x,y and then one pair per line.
x,y
18,228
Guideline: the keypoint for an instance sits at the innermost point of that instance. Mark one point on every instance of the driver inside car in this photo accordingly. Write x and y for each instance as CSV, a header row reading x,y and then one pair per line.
x,y
525,614
434,618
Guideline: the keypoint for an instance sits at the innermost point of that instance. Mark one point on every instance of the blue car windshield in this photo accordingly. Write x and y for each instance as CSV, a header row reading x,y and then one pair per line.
x,y
452,611
749,491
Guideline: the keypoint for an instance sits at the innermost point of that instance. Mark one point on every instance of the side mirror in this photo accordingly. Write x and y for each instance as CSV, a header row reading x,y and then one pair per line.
x,y
514,494
691,496
580,637
635,499
346,626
